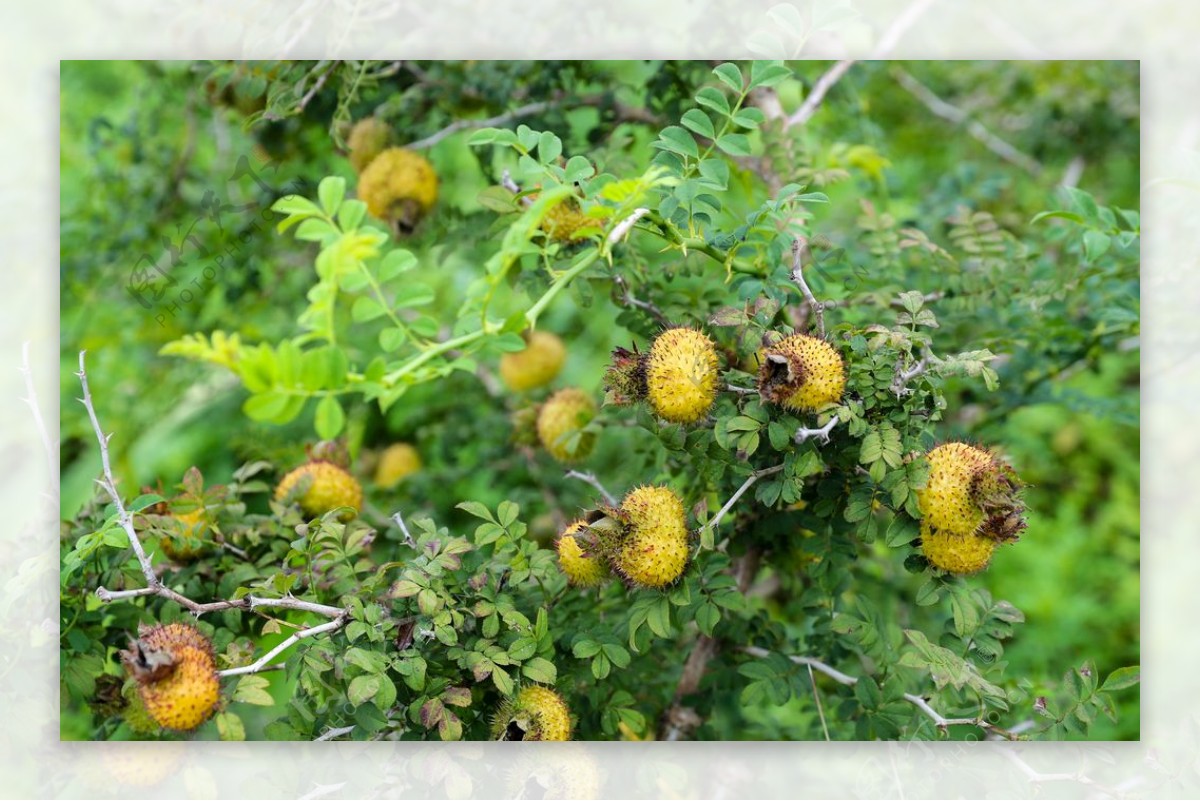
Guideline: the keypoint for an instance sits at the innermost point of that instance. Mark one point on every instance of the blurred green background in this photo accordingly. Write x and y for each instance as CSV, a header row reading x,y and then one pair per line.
x,y
150,155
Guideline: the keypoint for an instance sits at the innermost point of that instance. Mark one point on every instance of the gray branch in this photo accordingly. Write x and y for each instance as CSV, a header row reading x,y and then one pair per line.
x,y
799,250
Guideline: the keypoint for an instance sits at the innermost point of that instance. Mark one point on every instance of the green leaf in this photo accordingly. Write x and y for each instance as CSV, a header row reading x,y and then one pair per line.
x,y
366,309
363,688
477,509
522,649
696,120
331,190
1121,678
713,98
618,655
731,76
252,689
540,670
678,140
549,148
329,417
1095,245
768,73
230,727
734,144
396,262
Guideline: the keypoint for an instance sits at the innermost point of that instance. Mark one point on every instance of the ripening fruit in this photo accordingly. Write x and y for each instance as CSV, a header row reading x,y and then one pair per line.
x,y
969,506
572,773
566,223
536,713
561,422
653,548
681,375
957,553
176,675
801,373
188,543
329,487
399,186
583,567
535,366
368,138
397,462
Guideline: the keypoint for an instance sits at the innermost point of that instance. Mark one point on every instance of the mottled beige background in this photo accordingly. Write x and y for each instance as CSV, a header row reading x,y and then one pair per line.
x,y
1161,33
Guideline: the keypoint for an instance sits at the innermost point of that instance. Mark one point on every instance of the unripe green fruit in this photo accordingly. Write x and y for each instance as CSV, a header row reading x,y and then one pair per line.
x,y
653,549
535,366
329,487
561,422
187,544
681,375
399,186
368,138
397,462
581,567
801,373
969,505
535,713
566,223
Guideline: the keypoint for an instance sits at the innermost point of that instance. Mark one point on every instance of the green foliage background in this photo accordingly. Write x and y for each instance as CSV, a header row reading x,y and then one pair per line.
x,y
146,149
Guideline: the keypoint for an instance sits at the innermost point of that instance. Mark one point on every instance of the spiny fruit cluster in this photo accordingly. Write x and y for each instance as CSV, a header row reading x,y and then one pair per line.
x,y
186,543
644,541
562,425
535,713
321,487
176,675
677,376
969,506
535,366
399,186
368,138
566,223
397,462
801,373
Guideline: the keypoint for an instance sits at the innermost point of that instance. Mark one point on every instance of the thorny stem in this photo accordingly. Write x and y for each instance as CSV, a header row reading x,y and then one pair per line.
x,y
904,376
155,586
747,484
627,299
805,434
261,664
799,251
920,703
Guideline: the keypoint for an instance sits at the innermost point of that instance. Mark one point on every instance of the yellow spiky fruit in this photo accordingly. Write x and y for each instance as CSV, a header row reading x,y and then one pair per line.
x,y
582,566
572,773
399,186
956,553
535,713
329,487
566,223
801,373
681,375
969,505
176,675
368,138
188,543
561,422
397,462
653,548
535,366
